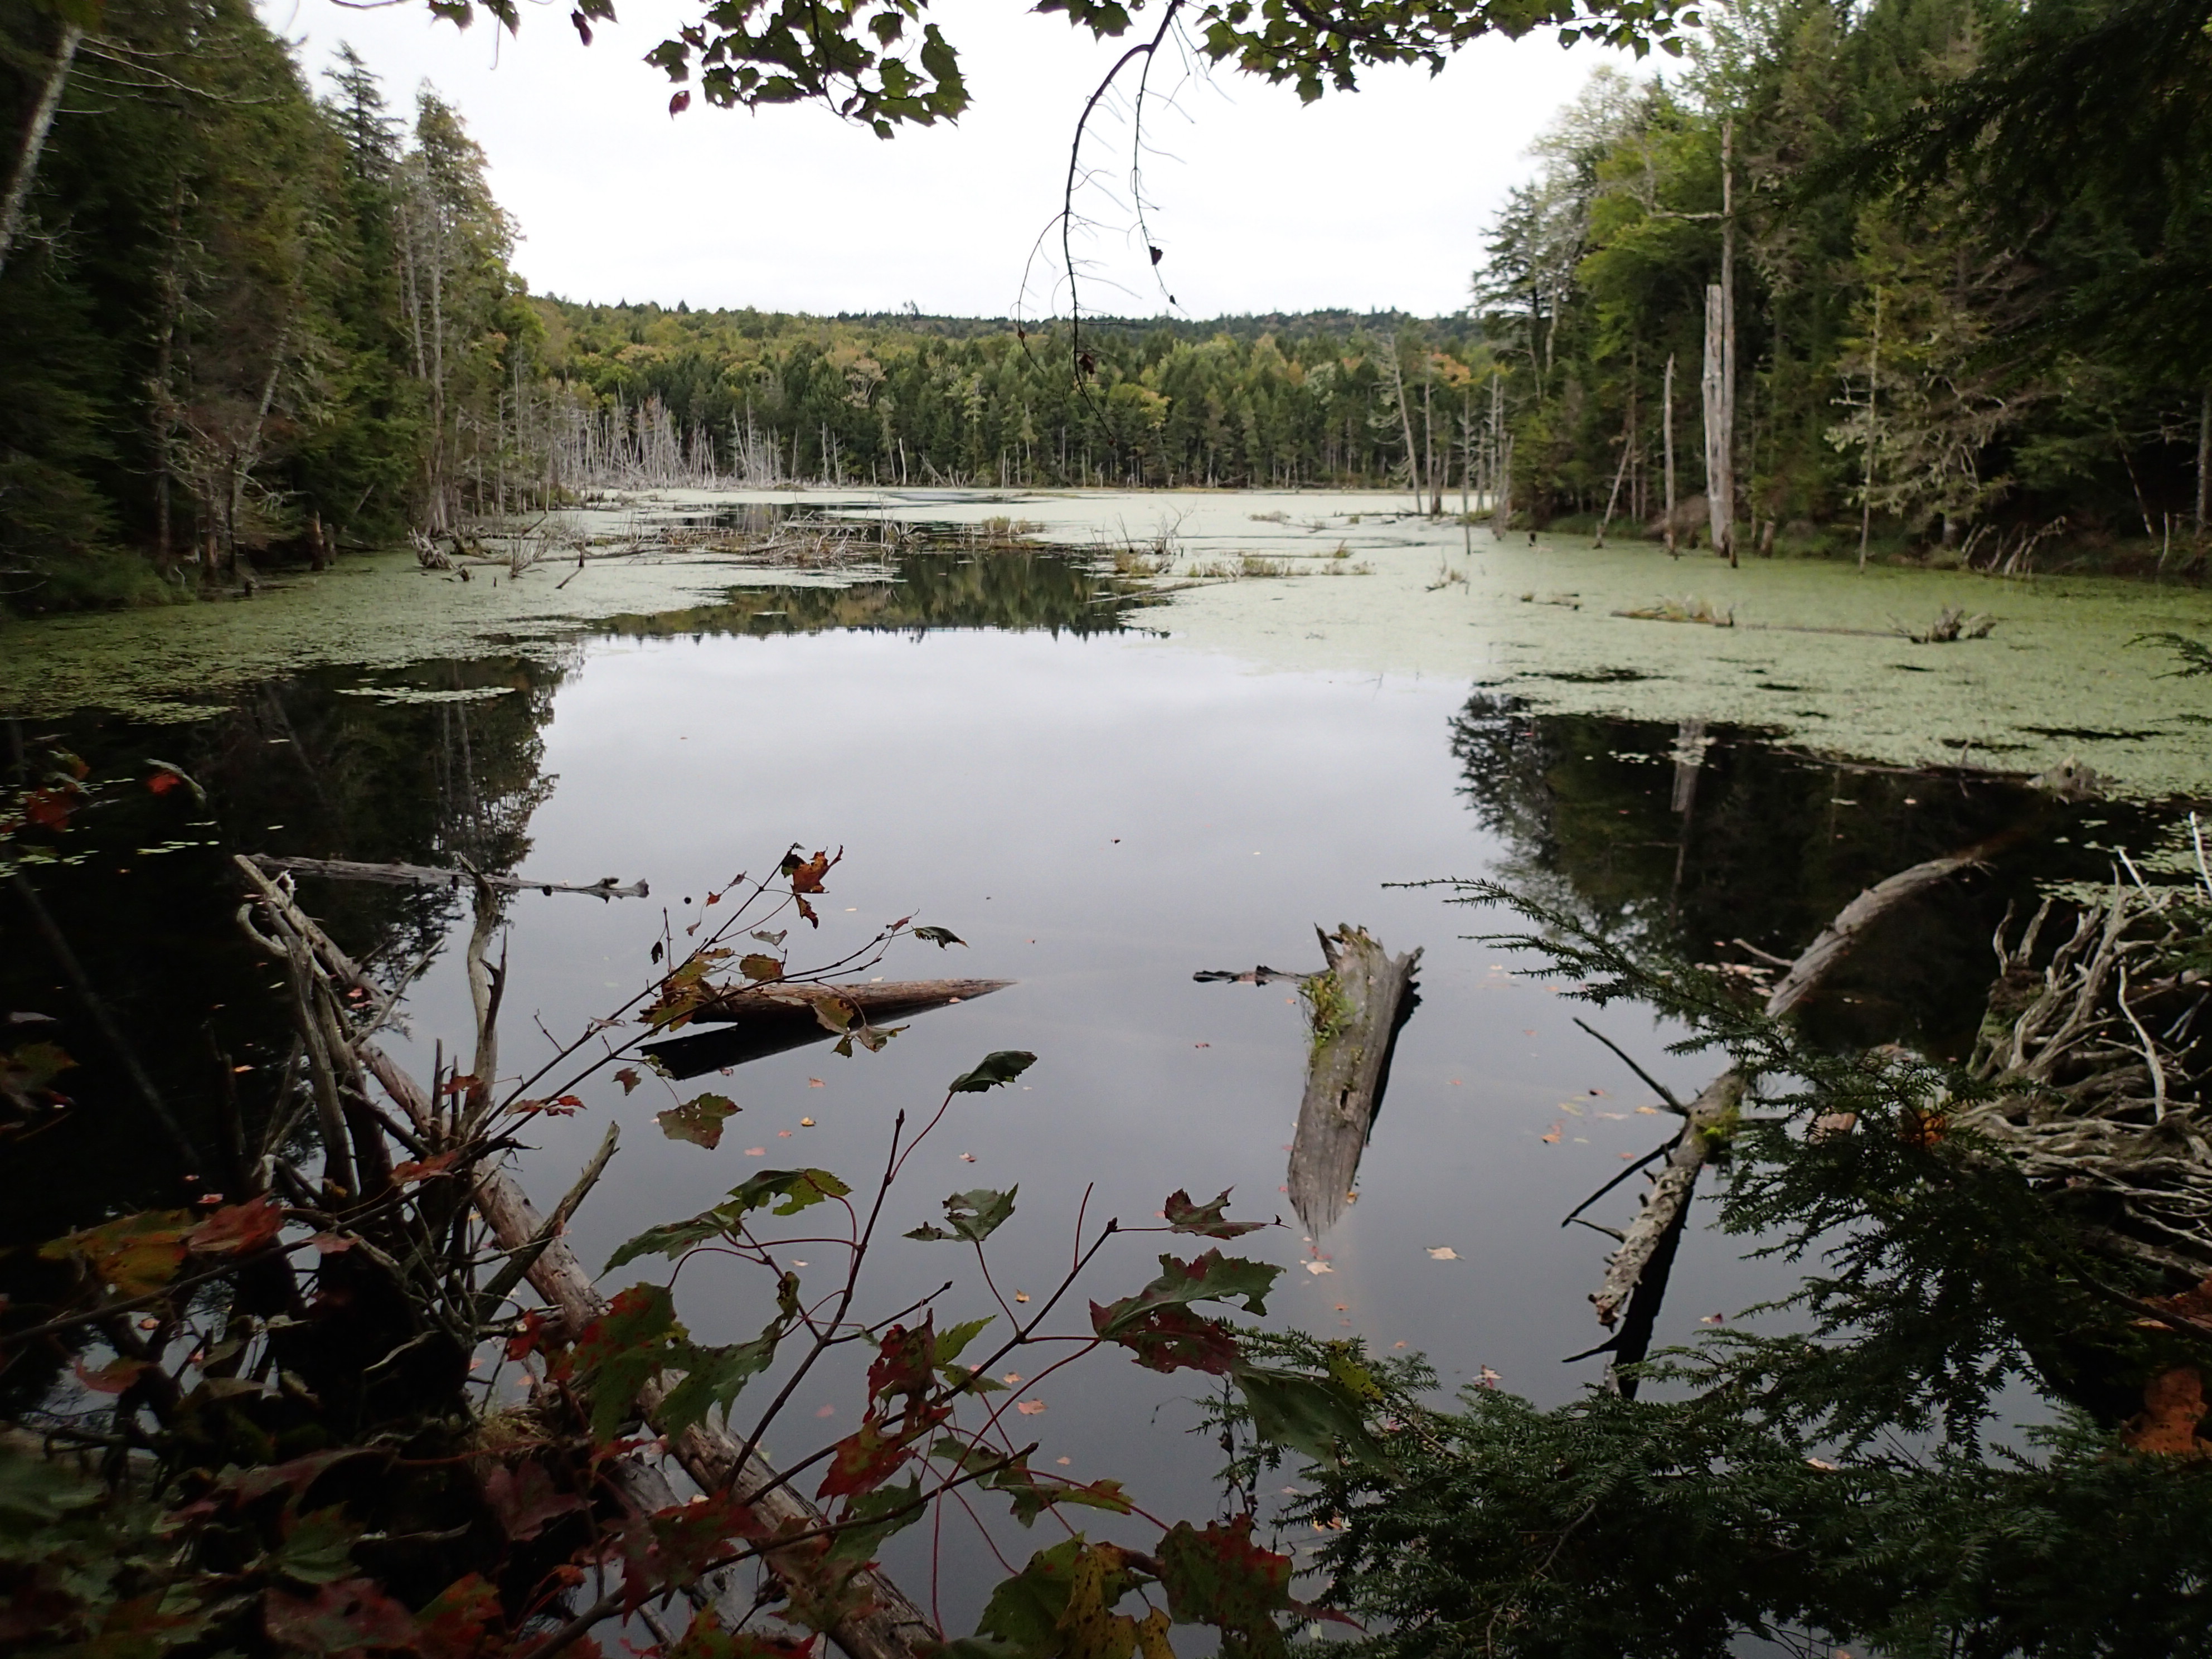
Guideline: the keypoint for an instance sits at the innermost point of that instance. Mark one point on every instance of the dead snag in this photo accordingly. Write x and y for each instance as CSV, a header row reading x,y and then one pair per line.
x,y
1355,1006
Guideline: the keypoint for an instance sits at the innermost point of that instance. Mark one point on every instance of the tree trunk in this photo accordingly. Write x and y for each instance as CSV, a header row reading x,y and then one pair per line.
x,y
17,202
1406,420
1874,384
170,287
2203,459
1710,384
1718,383
1667,426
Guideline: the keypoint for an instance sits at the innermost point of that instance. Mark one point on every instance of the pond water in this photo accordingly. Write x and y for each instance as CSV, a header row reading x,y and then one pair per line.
x,y
1100,797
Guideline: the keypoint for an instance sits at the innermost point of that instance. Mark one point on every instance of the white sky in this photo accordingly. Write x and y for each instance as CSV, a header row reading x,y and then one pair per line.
x,y
1372,201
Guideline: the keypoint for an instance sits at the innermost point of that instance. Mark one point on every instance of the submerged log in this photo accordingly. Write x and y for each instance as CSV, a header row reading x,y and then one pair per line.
x,y
429,875
1356,1006
770,1019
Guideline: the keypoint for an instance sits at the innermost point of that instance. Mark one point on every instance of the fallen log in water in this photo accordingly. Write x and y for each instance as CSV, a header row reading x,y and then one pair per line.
x,y
1635,1275
1357,1006
769,1019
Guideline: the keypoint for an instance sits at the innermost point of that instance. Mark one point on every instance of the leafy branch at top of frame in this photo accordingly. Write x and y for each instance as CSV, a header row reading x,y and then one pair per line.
x,y
882,64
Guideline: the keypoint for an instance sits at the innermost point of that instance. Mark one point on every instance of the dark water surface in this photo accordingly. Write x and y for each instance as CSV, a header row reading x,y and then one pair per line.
x,y
1098,813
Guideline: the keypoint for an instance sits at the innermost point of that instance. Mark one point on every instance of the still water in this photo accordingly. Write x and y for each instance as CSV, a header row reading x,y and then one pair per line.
x,y
1099,810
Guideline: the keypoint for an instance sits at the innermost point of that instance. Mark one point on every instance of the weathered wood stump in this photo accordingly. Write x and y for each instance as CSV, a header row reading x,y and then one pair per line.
x,y
1355,1006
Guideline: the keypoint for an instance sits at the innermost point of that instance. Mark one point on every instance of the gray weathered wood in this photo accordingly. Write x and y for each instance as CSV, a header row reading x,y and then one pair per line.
x,y
1712,1115
1356,1004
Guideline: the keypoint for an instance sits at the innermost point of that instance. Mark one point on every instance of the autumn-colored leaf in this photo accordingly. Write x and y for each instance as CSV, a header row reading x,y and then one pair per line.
x,y
807,874
462,1621
867,1457
1219,1576
706,1639
620,1352
628,1078
1211,1277
2173,1405
238,1228
112,1378
759,967
341,1617
162,782
418,1170
1059,1601
1172,1339
136,1253
1185,1216
525,1501
699,1122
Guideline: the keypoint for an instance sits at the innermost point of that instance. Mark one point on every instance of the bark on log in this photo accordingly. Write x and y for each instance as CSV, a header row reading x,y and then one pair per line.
x,y
428,875
1712,1115
770,1019
1358,1003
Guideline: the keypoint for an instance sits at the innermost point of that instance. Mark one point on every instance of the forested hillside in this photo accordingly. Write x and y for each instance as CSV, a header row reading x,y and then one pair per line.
x,y
236,315
1857,308
1320,398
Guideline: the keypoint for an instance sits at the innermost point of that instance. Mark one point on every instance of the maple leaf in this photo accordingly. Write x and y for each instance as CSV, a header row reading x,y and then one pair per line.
x,y
1212,1277
113,1377
345,1617
1185,1216
867,1457
1219,1576
136,1253
699,1122
461,1621
992,1071
1171,1338
525,1501
238,1228
972,1216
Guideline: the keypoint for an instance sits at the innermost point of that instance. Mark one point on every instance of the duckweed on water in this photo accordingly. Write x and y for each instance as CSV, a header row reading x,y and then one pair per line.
x,y
1815,656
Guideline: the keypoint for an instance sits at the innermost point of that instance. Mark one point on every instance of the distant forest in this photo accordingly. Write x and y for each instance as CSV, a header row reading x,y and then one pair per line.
x,y
1797,287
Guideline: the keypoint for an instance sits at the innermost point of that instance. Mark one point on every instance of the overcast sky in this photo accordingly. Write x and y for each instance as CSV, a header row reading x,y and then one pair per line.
x,y
1373,201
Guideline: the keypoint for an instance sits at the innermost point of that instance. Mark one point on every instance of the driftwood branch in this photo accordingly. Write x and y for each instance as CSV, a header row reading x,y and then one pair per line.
x,y
429,875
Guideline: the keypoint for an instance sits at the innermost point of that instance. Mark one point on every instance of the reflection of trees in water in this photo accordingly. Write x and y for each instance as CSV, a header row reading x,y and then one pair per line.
x,y
1693,839
1021,589
298,766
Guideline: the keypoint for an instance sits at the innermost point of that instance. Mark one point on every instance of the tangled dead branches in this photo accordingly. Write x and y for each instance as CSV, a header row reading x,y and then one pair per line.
x,y
2100,1063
